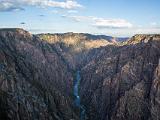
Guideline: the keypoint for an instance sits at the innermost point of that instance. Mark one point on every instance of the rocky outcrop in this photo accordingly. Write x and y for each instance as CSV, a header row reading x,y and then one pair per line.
x,y
155,94
35,82
121,83
117,81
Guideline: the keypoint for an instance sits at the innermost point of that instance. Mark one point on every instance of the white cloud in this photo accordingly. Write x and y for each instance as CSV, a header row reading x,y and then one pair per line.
x,y
63,11
112,23
129,31
80,18
148,30
153,23
72,11
10,5
102,22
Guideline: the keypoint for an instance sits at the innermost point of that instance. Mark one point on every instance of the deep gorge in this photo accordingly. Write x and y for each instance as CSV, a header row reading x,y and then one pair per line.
x,y
74,76
78,98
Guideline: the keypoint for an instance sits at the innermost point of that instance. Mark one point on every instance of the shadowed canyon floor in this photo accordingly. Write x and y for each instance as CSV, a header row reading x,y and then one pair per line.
x,y
77,76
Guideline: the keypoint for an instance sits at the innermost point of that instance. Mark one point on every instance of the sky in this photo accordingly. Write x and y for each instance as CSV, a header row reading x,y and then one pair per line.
x,y
109,17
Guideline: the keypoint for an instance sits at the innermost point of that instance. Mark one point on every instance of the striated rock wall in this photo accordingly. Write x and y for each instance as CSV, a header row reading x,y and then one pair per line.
x,y
34,81
118,81
74,47
121,83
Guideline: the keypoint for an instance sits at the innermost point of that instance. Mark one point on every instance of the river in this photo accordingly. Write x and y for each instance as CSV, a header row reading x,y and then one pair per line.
x,y
77,96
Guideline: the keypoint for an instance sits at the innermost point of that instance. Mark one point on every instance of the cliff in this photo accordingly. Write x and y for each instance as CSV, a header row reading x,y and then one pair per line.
x,y
122,82
115,81
35,83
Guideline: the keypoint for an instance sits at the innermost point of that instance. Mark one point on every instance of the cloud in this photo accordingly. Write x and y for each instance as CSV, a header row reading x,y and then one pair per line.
x,y
64,12
11,5
102,22
80,18
72,11
148,30
112,23
68,4
153,24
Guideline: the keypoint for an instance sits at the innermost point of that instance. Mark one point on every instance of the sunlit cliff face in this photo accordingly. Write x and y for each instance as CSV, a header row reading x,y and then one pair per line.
x,y
76,41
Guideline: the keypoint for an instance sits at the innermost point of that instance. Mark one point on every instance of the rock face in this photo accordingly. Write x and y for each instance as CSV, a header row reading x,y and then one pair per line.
x,y
75,47
35,83
119,81
122,83
155,94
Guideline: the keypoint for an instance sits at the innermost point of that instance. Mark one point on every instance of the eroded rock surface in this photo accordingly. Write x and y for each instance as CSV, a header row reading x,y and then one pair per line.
x,y
122,83
75,47
35,84
119,81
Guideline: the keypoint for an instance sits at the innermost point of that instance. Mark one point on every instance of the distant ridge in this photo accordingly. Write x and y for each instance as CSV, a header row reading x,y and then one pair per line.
x,y
90,36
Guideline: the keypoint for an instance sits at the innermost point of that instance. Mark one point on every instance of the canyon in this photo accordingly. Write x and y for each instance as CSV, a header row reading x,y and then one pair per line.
x,y
78,76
